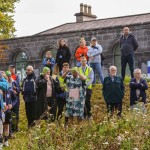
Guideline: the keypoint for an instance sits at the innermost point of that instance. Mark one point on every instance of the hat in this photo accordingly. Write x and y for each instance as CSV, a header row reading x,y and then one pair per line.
x,y
93,38
45,69
12,65
8,73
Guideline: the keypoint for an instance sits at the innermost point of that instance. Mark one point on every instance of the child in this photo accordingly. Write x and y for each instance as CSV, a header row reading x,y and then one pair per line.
x,y
10,100
1,123
49,61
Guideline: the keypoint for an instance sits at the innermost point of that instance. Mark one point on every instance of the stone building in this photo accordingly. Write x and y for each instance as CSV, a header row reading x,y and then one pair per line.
x,y
31,49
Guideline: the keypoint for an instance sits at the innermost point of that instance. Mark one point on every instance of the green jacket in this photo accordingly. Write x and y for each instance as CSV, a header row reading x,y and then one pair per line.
x,y
113,91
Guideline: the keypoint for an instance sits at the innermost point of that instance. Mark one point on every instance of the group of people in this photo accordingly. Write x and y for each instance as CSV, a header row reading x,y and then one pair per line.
x,y
59,86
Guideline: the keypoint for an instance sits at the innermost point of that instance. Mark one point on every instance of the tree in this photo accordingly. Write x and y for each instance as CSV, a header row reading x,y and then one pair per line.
x,y
7,8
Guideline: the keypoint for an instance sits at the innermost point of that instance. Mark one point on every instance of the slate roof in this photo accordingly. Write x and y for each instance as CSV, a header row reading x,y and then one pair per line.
x,y
99,24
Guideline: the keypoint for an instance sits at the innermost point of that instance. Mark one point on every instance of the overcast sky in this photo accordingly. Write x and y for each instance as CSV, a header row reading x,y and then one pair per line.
x,y
34,16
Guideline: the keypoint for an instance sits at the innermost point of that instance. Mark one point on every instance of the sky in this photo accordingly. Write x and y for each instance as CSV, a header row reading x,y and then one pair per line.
x,y
34,16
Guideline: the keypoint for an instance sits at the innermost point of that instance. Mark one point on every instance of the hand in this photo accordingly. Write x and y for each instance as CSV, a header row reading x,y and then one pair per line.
x,y
9,106
47,77
48,62
67,71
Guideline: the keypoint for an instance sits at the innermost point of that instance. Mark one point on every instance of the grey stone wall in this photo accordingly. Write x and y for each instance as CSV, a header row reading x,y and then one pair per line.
x,y
108,38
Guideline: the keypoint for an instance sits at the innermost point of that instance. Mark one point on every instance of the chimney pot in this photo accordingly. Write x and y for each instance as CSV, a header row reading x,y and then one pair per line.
x,y
81,7
89,10
85,8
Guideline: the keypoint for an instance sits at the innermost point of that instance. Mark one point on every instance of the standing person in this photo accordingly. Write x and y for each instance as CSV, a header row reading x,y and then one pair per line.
x,y
63,54
29,95
128,44
61,93
16,79
88,72
138,87
75,95
3,87
45,94
94,54
113,91
81,51
49,61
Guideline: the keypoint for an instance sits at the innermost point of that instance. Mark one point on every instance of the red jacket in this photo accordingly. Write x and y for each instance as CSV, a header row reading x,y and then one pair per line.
x,y
81,50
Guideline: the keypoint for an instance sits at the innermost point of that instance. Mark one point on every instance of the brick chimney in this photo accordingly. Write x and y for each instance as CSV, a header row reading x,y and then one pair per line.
x,y
85,13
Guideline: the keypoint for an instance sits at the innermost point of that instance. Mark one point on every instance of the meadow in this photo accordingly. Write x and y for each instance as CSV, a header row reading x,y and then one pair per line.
x,y
131,132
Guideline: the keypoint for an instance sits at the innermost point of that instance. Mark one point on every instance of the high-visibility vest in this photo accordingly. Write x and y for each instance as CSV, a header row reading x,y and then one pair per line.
x,y
62,83
87,74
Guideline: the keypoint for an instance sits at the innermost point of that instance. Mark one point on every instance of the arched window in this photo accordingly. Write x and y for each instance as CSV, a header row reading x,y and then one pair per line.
x,y
21,61
117,60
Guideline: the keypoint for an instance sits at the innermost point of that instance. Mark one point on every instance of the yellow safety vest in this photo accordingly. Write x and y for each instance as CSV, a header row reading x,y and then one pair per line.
x,y
62,83
86,73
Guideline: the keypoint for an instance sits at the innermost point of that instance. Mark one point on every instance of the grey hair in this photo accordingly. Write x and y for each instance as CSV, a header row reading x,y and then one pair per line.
x,y
112,67
136,70
30,67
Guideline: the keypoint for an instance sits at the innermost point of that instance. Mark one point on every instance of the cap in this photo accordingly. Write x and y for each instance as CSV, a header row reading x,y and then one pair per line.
x,y
93,38
12,65
8,73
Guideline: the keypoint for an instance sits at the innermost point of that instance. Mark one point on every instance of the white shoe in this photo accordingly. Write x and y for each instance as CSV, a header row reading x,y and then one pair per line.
x,y
1,145
6,144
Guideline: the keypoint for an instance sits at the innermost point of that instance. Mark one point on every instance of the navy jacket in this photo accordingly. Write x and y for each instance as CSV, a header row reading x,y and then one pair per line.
x,y
29,88
113,91
142,86
10,97
128,45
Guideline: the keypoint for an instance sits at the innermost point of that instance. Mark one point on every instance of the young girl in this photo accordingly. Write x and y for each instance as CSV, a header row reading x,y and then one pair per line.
x,y
49,61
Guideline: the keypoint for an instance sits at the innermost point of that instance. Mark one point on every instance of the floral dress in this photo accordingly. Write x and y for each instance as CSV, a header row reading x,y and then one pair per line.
x,y
75,97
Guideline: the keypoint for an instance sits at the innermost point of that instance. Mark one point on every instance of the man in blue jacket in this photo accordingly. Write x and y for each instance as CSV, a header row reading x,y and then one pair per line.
x,y
128,44
113,91
29,95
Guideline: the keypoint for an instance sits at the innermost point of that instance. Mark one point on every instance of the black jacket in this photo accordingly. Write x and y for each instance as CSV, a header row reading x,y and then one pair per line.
x,y
142,86
128,45
113,91
63,55
42,103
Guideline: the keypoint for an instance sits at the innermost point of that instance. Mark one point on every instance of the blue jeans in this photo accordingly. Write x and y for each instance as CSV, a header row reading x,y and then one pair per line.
x,y
97,67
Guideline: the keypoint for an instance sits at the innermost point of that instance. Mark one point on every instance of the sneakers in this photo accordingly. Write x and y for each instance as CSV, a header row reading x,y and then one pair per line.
x,y
6,144
1,145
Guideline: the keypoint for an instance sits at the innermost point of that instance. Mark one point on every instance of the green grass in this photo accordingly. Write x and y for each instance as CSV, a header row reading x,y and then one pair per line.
x,y
132,131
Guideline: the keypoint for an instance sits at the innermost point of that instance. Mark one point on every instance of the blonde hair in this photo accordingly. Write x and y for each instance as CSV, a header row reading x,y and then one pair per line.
x,y
82,39
55,70
49,53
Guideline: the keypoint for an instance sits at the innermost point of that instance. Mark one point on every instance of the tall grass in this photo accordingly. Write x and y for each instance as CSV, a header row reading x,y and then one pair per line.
x,y
130,132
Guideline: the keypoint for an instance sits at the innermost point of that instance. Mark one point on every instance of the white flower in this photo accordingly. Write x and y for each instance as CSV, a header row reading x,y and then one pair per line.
x,y
106,143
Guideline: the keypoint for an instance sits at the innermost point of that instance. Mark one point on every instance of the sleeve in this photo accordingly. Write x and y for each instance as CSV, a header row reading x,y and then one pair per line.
x,y
1,101
68,55
3,84
143,85
91,77
135,43
14,99
77,54
44,62
134,85
40,83
99,48
53,62
88,52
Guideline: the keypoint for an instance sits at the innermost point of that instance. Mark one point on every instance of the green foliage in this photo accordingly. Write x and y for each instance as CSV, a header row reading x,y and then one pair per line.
x,y
7,28
127,79
101,133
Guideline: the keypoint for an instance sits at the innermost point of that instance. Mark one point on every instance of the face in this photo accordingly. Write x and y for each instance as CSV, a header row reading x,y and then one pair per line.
x,y
82,43
83,61
28,71
62,42
65,68
9,79
137,74
47,73
113,71
48,55
12,70
74,73
93,42
126,31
